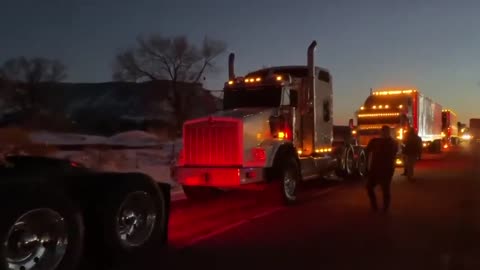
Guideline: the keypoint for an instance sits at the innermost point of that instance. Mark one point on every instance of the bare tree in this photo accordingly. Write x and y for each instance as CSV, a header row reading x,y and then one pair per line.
x,y
23,76
175,59
33,70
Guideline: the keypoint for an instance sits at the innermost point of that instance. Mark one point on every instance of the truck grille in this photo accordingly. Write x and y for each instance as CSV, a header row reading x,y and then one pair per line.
x,y
213,142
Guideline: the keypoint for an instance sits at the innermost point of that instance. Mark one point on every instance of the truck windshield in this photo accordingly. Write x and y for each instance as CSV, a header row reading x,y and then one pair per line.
x,y
241,98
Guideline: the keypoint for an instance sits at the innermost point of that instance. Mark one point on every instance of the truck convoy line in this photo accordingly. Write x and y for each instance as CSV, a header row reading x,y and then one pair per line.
x,y
275,130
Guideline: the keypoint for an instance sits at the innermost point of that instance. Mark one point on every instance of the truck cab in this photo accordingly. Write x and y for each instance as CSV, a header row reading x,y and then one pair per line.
x,y
400,109
276,125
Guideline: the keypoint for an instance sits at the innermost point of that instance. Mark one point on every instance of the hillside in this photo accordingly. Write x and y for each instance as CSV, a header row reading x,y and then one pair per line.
x,y
111,107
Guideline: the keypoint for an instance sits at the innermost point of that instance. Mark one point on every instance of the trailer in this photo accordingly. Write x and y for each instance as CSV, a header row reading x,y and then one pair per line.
x,y
56,211
474,130
450,130
275,130
400,109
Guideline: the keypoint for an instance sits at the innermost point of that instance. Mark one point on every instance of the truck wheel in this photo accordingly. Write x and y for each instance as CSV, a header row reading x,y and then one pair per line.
x,y
200,193
290,180
43,230
361,168
134,218
284,180
346,164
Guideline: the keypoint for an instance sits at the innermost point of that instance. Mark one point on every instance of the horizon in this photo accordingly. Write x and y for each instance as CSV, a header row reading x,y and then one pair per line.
x,y
429,46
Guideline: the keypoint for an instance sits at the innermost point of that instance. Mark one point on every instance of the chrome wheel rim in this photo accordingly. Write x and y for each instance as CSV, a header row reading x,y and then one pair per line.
x,y
136,219
289,185
37,240
362,166
349,161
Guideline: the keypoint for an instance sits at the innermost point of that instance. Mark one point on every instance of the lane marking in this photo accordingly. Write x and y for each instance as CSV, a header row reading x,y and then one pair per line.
x,y
234,225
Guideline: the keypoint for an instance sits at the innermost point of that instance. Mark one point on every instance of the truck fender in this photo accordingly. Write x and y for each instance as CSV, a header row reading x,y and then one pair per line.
x,y
275,147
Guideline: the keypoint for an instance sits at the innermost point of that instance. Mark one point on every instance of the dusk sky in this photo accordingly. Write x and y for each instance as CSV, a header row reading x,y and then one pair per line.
x,y
431,45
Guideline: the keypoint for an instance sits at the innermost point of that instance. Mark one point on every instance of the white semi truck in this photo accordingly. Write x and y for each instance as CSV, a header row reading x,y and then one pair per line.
x,y
276,126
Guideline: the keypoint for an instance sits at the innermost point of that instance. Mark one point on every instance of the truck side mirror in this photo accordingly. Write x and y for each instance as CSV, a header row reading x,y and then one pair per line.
x,y
350,123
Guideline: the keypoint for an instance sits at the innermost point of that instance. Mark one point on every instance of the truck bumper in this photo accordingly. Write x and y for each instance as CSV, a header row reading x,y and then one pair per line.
x,y
218,177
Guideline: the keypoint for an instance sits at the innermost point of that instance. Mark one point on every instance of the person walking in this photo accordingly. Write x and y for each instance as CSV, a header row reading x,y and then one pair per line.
x,y
381,167
411,153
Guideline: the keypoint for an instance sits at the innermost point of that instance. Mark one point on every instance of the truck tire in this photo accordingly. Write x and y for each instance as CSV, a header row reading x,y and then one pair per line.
x,y
200,193
41,230
361,164
133,218
346,163
284,180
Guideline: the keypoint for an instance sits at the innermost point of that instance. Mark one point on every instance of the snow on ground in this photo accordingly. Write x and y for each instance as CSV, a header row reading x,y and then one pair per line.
x,y
155,158
134,138
49,138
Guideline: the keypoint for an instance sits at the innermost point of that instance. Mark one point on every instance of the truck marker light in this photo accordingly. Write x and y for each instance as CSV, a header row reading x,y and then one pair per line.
x,y
398,161
445,146
259,154
374,107
362,108
230,82
279,78
386,106
394,92
400,106
258,79
378,114
381,107
282,135
299,152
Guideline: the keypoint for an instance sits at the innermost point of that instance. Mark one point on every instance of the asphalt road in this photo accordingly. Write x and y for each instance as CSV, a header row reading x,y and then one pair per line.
x,y
434,224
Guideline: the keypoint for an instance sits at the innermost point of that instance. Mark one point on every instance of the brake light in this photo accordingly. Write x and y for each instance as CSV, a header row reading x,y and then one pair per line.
x,y
74,164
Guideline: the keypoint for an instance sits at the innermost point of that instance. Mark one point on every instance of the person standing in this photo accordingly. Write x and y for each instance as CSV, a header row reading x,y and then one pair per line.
x,y
381,167
411,153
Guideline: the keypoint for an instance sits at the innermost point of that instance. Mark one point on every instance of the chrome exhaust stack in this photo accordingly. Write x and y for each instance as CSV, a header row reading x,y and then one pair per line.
x,y
231,66
311,64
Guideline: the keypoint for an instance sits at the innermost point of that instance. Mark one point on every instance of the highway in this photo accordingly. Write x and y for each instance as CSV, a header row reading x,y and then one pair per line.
x,y
434,224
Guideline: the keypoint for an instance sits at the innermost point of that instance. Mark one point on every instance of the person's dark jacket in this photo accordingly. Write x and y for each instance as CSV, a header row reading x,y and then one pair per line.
x,y
382,153
413,146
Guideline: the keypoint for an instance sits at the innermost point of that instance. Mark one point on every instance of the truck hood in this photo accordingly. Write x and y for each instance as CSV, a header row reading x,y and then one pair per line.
x,y
242,113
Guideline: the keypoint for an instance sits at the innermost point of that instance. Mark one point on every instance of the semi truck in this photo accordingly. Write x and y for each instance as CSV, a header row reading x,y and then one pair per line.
x,y
474,130
400,109
56,212
275,130
450,130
